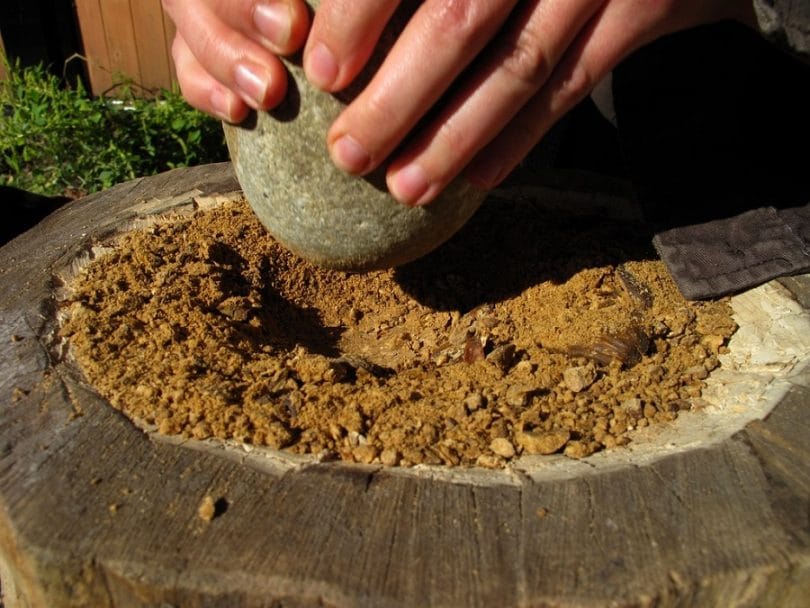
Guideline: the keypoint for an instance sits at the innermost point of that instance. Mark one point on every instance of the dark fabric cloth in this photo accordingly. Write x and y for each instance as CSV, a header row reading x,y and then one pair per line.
x,y
733,254
715,128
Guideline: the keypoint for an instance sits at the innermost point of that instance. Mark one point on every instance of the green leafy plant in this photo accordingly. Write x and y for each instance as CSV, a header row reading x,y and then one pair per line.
x,y
56,139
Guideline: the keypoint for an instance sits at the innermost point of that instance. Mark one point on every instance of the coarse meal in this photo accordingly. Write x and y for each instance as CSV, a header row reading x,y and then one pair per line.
x,y
532,331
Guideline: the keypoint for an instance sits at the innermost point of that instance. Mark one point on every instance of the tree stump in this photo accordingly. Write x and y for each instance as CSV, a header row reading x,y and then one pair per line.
x,y
95,512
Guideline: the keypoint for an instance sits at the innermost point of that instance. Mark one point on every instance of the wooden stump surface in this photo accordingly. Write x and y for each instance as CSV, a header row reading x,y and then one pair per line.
x,y
94,512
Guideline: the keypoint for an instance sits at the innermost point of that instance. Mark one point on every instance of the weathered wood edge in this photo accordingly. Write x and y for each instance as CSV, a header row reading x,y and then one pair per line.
x,y
94,513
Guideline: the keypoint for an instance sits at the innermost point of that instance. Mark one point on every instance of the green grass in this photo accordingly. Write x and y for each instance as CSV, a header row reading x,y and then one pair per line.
x,y
57,139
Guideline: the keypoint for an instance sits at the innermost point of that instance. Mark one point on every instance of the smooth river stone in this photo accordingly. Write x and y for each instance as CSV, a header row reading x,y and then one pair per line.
x,y
316,210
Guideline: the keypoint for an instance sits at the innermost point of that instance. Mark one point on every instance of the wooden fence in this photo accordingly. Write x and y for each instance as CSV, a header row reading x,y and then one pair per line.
x,y
126,37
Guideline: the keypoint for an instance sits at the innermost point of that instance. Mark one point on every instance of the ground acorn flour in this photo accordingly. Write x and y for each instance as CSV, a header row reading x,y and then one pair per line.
x,y
530,332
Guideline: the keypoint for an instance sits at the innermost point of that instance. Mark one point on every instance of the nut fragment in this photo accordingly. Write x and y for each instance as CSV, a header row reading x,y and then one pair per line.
x,y
389,457
364,453
518,395
502,356
579,378
206,509
502,447
536,442
473,350
474,401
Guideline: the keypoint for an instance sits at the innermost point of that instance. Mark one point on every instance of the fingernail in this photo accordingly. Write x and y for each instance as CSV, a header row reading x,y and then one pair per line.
x,y
322,67
409,185
273,20
252,85
221,104
350,155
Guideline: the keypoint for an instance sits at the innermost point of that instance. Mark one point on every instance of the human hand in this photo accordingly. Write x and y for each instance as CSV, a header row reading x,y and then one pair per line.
x,y
475,83
226,52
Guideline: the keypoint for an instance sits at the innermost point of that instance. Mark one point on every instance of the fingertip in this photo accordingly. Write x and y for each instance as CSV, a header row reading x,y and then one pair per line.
x,y
321,66
282,24
261,86
227,106
411,185
342,38
349,156
301,23
201,90
274,22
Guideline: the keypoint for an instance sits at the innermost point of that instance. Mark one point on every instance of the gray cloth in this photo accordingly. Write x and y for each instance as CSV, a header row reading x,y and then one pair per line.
x,y
786,22
726,256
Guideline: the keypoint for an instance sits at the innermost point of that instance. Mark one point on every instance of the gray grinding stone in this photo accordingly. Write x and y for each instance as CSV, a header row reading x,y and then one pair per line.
x,y
319,212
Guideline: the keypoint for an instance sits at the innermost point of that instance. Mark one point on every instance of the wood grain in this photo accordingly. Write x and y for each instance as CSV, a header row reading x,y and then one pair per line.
x,y
150,44
127,38
94,40
169,31
119,30
93,512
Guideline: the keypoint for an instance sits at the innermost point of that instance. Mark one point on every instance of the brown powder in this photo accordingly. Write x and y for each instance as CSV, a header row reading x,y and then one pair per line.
x,y
530,332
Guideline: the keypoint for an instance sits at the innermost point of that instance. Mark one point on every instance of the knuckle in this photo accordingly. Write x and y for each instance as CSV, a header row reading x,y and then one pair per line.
x,y
206,46
525,59
376,110
575,84
379,109
218,50
453,139
458,19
